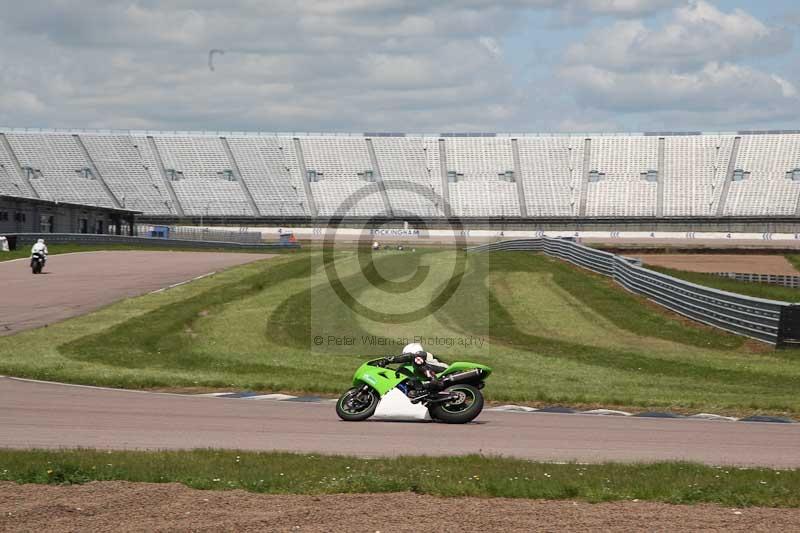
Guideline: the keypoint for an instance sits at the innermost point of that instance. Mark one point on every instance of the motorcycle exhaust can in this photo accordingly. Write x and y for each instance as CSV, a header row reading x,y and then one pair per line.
x,y
462,376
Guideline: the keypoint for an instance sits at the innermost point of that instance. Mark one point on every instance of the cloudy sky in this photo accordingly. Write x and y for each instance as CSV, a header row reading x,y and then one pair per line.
x,y
401,65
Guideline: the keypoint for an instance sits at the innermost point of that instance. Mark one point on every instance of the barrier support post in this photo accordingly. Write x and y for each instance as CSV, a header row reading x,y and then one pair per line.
x,y
789,327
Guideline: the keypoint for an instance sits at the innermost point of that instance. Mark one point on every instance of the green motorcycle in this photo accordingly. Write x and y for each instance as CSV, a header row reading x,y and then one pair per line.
x,y
459,402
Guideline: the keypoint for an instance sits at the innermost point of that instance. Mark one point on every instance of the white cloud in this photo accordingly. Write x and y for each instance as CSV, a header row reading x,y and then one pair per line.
x,y
696,34
715,86
578,9
410,65
21,100
491,45
587,125
788,90
694,63
309,66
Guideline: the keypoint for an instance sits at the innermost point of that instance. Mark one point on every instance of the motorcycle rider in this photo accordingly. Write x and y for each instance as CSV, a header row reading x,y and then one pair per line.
x,y
40,246
425,365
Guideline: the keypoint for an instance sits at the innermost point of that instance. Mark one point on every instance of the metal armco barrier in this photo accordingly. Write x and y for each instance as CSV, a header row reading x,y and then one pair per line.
x,y
770,321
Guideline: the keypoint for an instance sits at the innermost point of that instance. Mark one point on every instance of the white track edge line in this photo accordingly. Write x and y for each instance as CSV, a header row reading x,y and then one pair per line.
x,y
162,289
97,387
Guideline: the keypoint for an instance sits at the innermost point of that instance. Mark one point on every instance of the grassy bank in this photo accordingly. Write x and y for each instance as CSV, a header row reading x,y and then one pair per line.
x,y
553,333
794,259
282,473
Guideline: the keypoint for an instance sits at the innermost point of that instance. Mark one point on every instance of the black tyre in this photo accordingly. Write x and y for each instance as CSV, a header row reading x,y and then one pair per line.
x,y
357,404
462,410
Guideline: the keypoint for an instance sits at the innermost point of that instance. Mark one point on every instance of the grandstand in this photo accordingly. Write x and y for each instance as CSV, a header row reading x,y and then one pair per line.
x,y
396,176
618,183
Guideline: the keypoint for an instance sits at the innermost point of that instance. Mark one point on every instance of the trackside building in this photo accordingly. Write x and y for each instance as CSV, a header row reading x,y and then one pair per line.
x,y
33,215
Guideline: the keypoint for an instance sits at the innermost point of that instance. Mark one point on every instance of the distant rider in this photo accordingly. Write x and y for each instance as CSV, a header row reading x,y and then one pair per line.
x,y
425,364
40,246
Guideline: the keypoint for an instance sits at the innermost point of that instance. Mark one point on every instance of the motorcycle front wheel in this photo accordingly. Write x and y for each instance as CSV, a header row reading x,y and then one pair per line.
x,y
463,409
357,404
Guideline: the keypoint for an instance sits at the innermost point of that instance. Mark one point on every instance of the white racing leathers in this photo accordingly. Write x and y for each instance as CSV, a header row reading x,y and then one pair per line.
x,y
39,247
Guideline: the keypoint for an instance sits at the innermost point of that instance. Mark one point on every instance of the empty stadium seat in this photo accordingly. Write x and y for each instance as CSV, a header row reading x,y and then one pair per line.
x,y
622,191
767,190
695,169
479,191
269,167
412,174
54,163
197,166
220,174
120,163
552,169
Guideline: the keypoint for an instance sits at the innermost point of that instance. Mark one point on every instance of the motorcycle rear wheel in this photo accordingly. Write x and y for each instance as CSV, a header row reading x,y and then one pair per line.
x,y
469,405
362,410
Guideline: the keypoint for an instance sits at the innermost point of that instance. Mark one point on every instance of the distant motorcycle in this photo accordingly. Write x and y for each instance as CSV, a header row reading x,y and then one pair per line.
x,y
37,262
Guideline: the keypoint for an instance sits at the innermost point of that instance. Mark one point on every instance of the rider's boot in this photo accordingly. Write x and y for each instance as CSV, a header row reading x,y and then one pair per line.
x,y
435,392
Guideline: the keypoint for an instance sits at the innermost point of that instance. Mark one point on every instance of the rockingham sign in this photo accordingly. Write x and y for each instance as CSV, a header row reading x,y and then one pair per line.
x,y
389,232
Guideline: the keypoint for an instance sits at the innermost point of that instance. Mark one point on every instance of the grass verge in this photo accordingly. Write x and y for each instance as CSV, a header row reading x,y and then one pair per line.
x,y
794,259
285,473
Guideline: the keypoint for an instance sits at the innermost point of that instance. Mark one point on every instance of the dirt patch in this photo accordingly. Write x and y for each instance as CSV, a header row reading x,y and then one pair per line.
x,y
123,506
757,264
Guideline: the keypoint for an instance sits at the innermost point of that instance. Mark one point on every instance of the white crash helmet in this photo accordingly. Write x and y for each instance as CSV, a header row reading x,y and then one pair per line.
x,y
413,347
40,241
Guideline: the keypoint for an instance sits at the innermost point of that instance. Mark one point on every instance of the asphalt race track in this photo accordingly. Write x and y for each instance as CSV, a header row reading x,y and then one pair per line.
x,y
51,415
77,283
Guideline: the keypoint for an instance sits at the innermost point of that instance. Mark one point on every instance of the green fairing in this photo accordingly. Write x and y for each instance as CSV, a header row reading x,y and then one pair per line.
x,y
381,379
385,379
463,365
